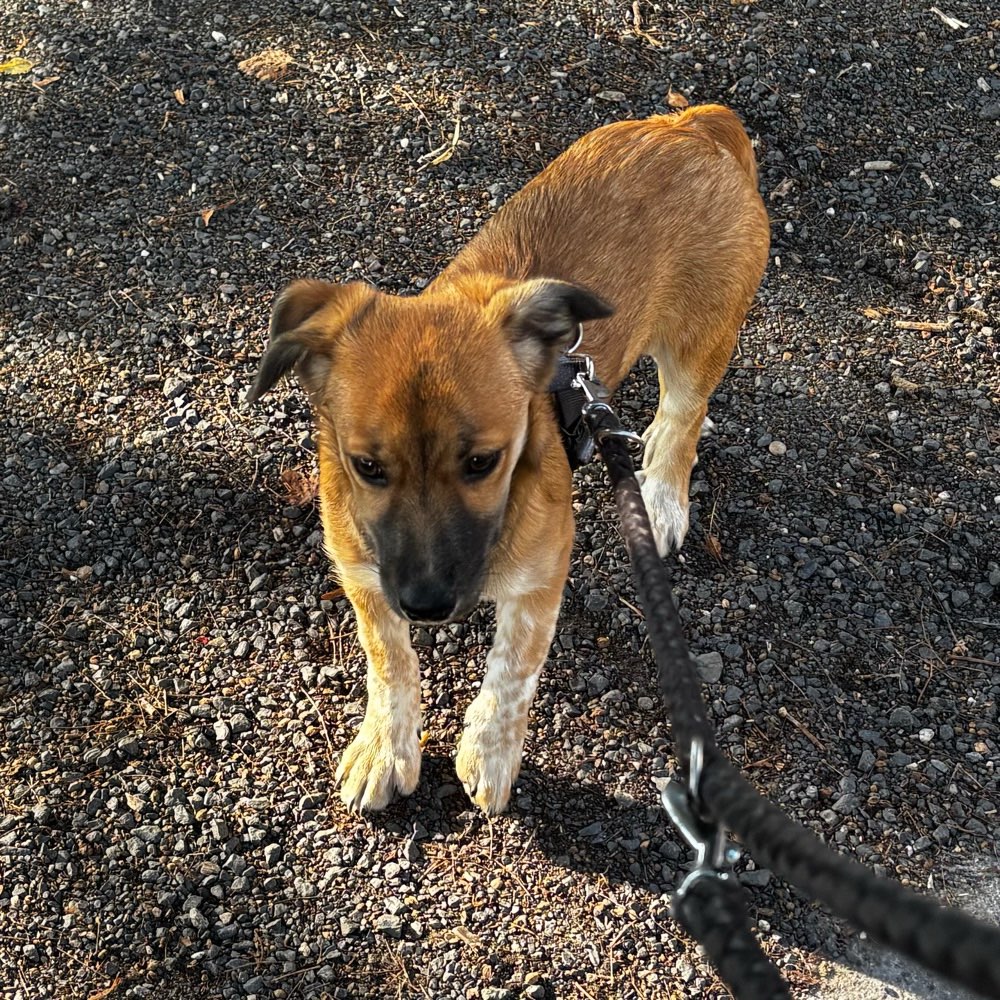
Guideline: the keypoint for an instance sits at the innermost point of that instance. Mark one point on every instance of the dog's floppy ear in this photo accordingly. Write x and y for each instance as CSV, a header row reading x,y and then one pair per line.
x,y
542,318
305,322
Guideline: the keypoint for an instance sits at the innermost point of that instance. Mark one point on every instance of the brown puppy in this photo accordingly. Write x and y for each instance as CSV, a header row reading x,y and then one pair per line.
x,y
443,479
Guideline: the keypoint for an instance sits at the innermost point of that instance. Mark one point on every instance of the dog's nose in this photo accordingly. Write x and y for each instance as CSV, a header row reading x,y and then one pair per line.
x,y
426,601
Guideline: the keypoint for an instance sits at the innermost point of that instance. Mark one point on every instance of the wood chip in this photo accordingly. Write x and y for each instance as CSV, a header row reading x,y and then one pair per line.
x,y
271,65
909,324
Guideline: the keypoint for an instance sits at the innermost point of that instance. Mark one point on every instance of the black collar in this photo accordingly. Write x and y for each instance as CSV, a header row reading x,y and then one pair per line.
x,y
572,387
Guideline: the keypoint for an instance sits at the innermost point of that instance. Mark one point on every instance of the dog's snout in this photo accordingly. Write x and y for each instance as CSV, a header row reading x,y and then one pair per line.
x,y
427,600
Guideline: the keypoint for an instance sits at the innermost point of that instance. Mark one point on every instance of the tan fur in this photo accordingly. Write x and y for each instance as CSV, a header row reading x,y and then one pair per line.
x,y
662,219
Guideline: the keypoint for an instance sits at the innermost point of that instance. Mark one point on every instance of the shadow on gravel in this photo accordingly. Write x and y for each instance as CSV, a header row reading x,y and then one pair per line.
x,y
103,536
589,832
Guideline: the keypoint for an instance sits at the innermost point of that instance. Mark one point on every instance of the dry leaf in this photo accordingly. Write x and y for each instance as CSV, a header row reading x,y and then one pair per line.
x,y
332,595
16,66
179,96
271,64
48,81
676,99
871,313
107,991
466,936
714,547
905,384
300,489
782,189
207,213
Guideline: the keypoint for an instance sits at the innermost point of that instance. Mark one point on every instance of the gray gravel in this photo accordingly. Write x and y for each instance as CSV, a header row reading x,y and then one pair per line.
x,y
180,675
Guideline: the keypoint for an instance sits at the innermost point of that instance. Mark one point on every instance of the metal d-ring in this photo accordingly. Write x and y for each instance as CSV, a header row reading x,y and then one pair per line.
x,y
579,339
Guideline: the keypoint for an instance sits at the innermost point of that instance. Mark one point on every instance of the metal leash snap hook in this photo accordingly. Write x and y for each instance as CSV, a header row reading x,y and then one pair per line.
x,y
706,839
611,426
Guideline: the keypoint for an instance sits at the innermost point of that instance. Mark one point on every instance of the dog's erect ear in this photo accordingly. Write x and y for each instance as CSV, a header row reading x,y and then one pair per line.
x,y
542,318
306,320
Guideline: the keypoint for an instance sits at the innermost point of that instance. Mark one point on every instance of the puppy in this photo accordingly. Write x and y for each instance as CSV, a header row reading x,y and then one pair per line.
x,y
443,477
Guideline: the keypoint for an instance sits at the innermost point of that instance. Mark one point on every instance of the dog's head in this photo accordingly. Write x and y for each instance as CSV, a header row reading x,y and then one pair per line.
x,y
423,406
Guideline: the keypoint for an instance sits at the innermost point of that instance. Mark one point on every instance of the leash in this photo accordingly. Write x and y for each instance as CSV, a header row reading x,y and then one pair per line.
x,y
710,903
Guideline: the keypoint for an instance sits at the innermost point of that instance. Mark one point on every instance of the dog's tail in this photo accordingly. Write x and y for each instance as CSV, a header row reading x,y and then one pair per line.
x,y
721,125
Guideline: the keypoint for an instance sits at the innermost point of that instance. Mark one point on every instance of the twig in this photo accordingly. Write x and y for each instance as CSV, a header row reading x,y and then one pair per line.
x,y
909,324
802,728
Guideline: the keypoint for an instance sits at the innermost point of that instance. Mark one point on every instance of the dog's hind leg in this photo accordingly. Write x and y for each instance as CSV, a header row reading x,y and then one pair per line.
x,y
672,437
384,757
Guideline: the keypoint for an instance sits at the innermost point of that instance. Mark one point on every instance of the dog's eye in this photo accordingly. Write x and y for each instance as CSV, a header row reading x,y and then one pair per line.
x,y
480,466
369,470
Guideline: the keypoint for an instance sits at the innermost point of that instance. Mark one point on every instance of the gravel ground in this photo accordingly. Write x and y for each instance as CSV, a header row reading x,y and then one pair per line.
x,y
179,673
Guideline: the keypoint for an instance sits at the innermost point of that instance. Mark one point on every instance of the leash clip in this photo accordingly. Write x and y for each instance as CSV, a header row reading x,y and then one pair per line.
x,y
712,850
598,414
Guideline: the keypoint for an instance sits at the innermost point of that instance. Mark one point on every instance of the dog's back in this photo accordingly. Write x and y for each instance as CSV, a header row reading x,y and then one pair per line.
x,y
662,218
723,127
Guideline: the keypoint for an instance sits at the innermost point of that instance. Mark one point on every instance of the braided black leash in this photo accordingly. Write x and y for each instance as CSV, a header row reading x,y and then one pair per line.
x,y
947,941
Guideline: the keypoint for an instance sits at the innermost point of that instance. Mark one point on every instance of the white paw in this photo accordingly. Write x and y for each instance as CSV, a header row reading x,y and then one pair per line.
x,y
668,513
489,755
383,759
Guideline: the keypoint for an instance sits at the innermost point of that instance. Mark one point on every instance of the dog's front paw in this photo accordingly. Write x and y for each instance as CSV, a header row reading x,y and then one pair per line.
x,y
668,513
382,761
488,760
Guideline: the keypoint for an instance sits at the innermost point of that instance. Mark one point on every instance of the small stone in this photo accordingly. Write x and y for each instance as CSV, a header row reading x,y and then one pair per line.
x,y
596,685
925,735
879,165
777,448
794,609
256,983
272,854
611,95
390,925
759,877
902,718
941,834
846,804
959,598
535,992
899,509
220,39
173,387
221,730
709,666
